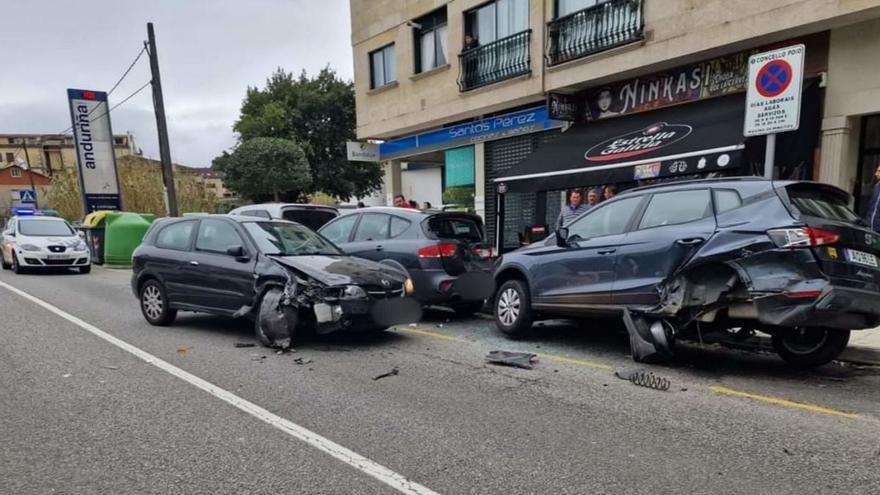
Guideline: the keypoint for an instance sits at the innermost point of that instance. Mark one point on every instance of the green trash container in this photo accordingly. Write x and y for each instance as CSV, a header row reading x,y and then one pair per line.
x,y
124,232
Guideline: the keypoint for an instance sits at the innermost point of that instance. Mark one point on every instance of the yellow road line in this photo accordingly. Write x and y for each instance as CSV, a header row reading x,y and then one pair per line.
x,y
426,333
783,402
576,362
549,357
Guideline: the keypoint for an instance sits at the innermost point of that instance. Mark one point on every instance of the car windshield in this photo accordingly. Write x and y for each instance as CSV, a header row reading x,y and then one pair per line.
x,y
43,228
288,239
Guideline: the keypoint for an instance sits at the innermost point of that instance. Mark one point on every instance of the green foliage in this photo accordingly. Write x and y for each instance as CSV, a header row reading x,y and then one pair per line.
x,y
318,113
461,195
265,168
142,190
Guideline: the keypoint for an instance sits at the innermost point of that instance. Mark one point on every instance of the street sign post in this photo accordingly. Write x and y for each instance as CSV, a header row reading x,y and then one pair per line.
x,y
95,157
27,196
773,100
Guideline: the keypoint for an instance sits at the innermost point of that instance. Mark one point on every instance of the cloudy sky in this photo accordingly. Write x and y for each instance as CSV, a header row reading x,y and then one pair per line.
x,y
210,51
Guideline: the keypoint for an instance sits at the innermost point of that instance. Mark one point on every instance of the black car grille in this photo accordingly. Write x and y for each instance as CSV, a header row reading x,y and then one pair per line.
x,y
58,262
57,249
383,293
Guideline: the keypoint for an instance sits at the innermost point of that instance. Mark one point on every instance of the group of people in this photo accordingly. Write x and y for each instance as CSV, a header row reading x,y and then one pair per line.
x,y
576,205
401,202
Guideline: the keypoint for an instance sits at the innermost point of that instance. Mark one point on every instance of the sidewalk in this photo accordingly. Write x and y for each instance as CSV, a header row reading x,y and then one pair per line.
x,y
863,348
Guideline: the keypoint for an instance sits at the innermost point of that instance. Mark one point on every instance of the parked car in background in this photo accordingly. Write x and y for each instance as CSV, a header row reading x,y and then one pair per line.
x,y
312,216
281,274
678,260
445,254
40,242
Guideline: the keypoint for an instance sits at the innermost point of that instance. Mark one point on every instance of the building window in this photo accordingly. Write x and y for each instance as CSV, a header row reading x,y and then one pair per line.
x,y
10,157
15,172
383,67
119,140
431,41
496,43
585,27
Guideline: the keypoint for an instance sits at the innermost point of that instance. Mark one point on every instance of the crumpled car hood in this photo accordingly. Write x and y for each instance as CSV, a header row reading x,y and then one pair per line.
x,y
342,270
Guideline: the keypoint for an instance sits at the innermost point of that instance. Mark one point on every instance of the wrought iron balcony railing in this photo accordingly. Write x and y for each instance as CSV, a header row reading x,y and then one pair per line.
x,y
502,59
594,29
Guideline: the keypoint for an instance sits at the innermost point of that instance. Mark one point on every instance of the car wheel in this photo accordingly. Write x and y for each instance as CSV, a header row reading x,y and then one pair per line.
x,y
467,309
15,266
154,304
3,264
85,269
275,325
512,309
809,347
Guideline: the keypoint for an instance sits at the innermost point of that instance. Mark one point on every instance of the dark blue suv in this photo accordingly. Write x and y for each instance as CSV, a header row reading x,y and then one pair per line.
x,y
790,259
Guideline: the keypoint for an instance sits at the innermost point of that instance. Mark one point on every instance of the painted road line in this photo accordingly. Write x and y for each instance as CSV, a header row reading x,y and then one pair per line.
x,y
549,357
784,402
353,459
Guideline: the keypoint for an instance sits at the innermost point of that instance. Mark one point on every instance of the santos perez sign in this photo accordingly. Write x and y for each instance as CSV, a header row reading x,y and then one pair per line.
x,y
95,156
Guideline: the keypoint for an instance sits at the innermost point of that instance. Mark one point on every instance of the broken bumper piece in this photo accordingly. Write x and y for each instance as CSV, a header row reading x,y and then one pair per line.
x,y
833,306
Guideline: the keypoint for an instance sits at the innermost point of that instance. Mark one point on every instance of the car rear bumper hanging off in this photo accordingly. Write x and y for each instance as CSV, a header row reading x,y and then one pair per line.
x,y
835,307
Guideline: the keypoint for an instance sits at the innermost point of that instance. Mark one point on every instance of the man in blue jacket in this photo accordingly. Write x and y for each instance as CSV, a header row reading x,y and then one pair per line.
x,y
872,215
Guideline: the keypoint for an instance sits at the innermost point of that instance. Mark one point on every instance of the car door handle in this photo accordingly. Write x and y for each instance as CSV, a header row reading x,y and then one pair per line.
x,y
607,251
380,248
689,242
194,263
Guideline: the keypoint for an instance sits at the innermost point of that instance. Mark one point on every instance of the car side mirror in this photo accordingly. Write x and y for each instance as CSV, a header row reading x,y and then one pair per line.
x,y
238,253
81,234
562,237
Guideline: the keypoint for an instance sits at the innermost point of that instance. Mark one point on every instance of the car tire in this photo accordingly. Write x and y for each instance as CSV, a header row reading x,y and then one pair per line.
x,y
279,334
3,264
809,347
154,304
512,309
85,269
18,269
463,310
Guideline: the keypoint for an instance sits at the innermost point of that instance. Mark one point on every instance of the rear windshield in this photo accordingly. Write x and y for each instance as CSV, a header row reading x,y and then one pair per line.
x,y
313,219
449,227
821,203
44,228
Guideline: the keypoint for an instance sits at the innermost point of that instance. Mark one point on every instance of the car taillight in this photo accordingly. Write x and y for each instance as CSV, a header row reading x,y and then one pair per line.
x,y
802,237
438,251
484,253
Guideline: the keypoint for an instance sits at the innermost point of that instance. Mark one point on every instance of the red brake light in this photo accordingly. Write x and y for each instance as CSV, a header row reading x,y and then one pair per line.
x,y
803,294
438,251
802,237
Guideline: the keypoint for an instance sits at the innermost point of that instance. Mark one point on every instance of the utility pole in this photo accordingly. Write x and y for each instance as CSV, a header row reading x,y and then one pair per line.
x,y
161,126
30,171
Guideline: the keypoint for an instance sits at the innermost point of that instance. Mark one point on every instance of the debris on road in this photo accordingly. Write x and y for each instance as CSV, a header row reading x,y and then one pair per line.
x,y
244,344
108,367
524,360
394,372
182,350
300,360
66,375
644,378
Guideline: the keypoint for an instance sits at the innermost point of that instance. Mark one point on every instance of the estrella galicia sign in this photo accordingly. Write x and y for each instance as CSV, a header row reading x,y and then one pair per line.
x,y
652,138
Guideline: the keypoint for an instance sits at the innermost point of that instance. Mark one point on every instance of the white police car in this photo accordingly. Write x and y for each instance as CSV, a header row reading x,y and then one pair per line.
x,y
42,242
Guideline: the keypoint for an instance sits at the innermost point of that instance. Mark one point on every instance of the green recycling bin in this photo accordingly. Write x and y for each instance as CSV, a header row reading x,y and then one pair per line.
x,y
93,232
123,233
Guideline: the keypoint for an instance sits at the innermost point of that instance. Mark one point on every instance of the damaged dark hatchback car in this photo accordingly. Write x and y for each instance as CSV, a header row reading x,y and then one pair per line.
x,y
733,256
285,277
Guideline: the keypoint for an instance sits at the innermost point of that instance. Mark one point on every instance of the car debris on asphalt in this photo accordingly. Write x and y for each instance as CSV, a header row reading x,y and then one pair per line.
x,y
394,372
301,361
644,378
244,344
524,360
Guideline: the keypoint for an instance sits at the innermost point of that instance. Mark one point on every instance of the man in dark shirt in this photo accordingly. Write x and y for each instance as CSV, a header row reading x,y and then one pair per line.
x,y
872,216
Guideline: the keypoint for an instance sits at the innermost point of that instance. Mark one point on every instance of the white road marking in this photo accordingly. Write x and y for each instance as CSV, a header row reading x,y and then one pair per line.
x,y
353,459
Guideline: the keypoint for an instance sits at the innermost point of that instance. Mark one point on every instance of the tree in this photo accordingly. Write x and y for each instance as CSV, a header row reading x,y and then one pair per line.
x,y
142,190
318,113
266,168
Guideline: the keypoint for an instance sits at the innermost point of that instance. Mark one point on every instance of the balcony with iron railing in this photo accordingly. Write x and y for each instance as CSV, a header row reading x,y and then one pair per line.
x,y
496,61
595,29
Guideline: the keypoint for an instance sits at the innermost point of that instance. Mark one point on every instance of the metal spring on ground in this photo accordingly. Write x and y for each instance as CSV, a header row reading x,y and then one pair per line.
x,y
650,380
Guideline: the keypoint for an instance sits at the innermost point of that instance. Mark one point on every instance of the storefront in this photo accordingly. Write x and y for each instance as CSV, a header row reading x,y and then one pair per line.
x,y
679,124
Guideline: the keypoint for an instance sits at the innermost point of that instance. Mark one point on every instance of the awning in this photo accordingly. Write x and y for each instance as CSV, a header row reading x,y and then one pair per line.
x,y
695,138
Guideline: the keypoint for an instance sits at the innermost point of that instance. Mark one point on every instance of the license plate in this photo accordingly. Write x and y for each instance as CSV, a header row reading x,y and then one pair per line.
x,y
64,257
861,258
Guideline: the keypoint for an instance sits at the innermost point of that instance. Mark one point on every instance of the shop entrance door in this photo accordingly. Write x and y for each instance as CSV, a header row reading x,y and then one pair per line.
x,y
869,160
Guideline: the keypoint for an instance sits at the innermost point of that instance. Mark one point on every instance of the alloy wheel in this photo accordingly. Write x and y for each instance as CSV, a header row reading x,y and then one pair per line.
x,y
805,340
151,300
508,306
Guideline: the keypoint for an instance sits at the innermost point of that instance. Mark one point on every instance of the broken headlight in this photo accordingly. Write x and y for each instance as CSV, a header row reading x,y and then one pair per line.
x,y
409,287
352,292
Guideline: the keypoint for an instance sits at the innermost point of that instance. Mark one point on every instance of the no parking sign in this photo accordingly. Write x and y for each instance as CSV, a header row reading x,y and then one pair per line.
x,y
773,102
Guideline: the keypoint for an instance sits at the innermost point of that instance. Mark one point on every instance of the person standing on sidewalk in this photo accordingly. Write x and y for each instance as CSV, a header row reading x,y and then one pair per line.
x,y
573,210
872,216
